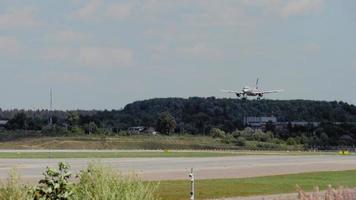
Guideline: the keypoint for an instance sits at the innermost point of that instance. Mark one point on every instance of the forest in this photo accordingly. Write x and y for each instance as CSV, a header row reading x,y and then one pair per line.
x,y
197,115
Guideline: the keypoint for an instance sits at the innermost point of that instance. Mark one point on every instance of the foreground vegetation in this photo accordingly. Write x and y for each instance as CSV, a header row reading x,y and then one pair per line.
x,y
97,182
219,188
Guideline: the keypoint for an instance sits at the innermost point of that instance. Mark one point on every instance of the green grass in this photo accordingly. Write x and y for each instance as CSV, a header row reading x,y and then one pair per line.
x,y
143,154
219,188
117,142
114,154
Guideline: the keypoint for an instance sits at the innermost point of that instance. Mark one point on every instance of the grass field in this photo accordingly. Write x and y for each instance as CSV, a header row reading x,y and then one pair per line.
x,y
114,154
25,154
117,142
220,188
151,142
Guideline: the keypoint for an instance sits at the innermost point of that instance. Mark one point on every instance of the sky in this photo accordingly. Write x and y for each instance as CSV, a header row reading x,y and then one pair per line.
x,y
104,54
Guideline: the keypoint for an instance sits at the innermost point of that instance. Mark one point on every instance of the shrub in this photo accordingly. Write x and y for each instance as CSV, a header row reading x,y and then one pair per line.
x,y
228,139
55,185
330,194
261,136
217,133
13,189
267,146
277,141
241,141
291,141
103,183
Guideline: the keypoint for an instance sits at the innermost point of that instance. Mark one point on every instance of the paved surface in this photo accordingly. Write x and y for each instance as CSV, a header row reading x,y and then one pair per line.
x,y
178,168
291,196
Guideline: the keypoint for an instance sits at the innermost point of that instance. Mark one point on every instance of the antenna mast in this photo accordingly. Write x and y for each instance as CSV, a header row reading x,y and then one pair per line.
x,y
50,107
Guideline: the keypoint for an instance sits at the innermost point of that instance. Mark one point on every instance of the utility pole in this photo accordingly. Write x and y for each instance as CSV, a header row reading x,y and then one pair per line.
x,y
191,176
50,107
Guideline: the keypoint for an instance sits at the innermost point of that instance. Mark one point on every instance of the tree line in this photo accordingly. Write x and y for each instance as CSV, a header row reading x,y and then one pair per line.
x,y
198,115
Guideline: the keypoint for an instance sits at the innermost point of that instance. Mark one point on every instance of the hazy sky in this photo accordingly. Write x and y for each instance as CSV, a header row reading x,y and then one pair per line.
x,y
103,54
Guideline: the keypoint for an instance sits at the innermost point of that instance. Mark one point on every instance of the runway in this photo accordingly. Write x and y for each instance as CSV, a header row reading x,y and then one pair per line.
x,y
178,168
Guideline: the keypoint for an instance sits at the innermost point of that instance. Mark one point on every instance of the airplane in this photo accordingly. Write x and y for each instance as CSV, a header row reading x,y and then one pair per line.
x,y
248,91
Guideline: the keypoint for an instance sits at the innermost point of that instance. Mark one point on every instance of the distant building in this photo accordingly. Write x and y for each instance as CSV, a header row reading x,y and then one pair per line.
x,y
261,122
258,122
136,129
3,123
301,123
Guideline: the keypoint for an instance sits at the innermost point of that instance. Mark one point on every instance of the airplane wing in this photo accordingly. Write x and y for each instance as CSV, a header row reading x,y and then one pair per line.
x,y
271,91
231,91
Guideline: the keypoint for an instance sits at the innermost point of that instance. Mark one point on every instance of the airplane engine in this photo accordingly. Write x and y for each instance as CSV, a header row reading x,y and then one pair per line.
x,y
238,95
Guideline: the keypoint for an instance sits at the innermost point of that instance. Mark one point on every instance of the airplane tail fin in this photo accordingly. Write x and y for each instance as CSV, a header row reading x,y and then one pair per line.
x,y
257,83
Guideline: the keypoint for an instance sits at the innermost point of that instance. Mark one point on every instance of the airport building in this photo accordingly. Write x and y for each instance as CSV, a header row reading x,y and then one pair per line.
x,y
3,124
261,122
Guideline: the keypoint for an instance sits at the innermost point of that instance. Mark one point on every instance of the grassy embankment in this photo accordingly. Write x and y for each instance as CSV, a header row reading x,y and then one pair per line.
x,y
116,142
141,154
219,188
114,154
133,142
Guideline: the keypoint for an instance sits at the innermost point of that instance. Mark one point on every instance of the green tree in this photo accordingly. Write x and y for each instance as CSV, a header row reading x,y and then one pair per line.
x,y
19,121
217,133
166,123
291,141
241,141
73,118
90,128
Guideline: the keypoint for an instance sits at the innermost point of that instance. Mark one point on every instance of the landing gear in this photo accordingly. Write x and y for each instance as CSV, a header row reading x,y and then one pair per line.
x,y
244,97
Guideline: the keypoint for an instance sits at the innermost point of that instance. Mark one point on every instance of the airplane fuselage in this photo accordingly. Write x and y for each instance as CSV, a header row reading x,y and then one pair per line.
x,y
251,91
247,91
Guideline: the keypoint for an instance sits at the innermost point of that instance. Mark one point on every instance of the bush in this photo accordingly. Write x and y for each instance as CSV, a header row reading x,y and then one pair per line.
x,y
277,141
267,146
103,183
241,141
95,183
217,133
291,141
330,194
261,136
13,189
55,185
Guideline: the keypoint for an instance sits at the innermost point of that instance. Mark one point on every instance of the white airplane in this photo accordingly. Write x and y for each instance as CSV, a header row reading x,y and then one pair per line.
x,y
248,91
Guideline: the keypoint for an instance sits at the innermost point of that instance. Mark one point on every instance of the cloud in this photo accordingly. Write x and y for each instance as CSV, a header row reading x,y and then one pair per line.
x,y
103,11
286,8
301,7
105,57
10,46
94,57
64,77
119,11
88,10
58,53
67,36
200,50
19,18
312,48
218,13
